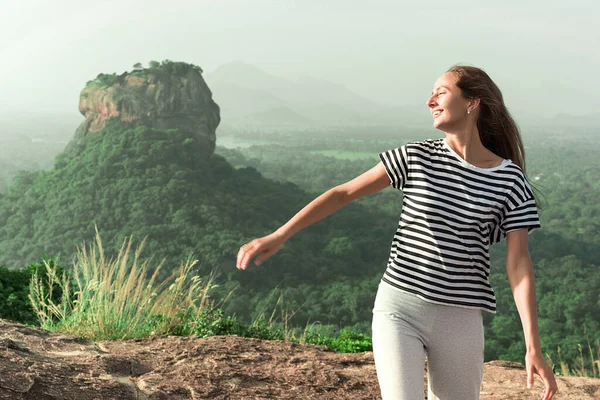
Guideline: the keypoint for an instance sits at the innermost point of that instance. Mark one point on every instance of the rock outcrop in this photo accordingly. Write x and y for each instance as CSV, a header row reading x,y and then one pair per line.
x,y
37,364
171,95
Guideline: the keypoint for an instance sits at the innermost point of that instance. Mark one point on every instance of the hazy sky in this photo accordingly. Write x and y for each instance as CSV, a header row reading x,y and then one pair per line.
x,y
542,54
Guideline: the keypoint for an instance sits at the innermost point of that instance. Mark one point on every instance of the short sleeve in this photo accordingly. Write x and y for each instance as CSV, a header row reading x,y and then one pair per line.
x,y
524,214
395,162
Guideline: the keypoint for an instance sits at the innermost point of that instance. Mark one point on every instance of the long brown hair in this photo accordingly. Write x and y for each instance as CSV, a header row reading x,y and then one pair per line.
x,y
498,130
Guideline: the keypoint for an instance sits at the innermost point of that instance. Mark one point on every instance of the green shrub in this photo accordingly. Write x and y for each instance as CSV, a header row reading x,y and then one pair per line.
x,y
346,342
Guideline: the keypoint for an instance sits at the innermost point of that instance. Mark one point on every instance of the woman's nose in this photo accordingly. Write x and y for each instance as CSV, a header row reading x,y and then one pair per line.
x,y
430,102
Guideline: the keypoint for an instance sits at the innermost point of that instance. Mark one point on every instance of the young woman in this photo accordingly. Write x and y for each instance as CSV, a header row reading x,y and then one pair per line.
x,y
461,194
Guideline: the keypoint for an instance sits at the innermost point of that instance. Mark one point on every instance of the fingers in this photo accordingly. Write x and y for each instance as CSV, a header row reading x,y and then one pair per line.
x,y
246,253
261,248
242,257
259,260
550,384
548,392
530,379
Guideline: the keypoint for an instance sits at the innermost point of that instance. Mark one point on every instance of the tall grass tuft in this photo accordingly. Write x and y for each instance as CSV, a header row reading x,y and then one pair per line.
x,y
106,299
579,368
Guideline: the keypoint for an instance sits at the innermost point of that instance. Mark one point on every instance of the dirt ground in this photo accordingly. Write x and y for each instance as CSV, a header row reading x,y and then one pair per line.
x,y
36,364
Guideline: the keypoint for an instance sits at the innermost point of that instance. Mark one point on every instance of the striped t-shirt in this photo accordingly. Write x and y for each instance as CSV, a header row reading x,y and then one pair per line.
x,y
452,212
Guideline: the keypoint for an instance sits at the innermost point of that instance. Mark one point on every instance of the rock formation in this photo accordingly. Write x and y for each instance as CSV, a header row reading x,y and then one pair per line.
x,y
37,364
171,95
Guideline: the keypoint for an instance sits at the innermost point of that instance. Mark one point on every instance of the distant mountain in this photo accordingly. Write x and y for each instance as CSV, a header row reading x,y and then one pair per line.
x,y
249,95
305,91
237,101
307,87
249,77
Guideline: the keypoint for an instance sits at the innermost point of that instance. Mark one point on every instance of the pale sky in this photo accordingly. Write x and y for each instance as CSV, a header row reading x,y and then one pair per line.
x,y
542,54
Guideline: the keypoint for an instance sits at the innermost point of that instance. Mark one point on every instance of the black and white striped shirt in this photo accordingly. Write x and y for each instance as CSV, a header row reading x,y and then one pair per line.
x,y
452,212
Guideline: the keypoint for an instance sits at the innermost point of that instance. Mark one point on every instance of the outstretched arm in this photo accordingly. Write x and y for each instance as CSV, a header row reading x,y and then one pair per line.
x,y
519,269
327,203
369,182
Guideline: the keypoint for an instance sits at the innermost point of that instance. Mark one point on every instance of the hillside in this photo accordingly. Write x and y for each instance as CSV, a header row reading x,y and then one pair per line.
x,y
145,182
128,178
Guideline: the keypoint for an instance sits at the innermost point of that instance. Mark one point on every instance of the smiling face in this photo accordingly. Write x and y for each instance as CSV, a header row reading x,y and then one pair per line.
x,y
447,106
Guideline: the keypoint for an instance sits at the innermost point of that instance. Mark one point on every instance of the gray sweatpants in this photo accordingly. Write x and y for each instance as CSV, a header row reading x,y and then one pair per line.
x,y
407,328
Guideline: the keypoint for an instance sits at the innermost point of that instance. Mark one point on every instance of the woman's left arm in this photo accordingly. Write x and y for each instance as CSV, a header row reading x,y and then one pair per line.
x,y
519,269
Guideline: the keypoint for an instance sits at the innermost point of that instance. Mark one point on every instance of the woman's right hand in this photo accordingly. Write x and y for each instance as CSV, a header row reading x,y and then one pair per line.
x,y
263,247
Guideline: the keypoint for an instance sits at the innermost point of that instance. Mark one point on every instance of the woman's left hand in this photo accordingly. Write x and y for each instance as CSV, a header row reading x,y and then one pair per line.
x,y
535,363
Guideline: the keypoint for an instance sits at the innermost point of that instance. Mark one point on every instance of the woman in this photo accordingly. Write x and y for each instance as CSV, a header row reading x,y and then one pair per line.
x,y
461,194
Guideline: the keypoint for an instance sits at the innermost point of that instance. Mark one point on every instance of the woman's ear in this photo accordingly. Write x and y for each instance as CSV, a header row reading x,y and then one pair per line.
x,y
473,104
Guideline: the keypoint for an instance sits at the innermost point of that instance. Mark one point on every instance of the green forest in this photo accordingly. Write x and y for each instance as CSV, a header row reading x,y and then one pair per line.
x,y
151,183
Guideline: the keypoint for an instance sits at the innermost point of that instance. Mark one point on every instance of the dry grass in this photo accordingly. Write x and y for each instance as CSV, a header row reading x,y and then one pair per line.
x,y
114,299
579,368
